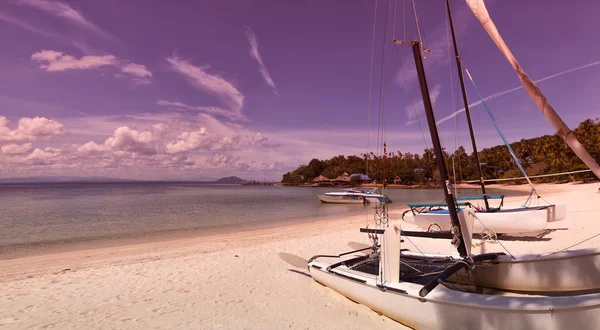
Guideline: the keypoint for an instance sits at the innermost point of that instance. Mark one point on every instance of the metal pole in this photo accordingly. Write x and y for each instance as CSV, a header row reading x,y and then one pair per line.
x,y
439,156
467,111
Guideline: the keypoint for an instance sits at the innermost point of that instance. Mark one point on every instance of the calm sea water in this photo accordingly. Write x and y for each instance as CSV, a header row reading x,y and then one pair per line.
x,y
37,218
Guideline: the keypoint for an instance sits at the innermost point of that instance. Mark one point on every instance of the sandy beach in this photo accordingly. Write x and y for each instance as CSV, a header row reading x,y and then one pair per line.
x,y
237,280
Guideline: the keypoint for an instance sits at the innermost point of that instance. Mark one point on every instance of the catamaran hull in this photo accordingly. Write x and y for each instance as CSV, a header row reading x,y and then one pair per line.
x,y
341,199
579,271
448,309
515,221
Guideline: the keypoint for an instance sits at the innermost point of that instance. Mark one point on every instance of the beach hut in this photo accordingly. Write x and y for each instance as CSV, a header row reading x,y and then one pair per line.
x,y
320,178
363,178
343,178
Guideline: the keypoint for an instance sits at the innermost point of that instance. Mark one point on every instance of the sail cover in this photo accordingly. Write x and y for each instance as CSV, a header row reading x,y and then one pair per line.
x,y
481,13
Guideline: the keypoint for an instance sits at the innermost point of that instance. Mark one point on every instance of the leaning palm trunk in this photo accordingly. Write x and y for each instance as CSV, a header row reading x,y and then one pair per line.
x,y
481,13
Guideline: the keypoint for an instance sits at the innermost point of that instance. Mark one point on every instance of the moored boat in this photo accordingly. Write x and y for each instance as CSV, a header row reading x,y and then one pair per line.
x,y
355,196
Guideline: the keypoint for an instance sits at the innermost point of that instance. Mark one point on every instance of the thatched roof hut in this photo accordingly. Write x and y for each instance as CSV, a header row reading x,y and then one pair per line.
x,y
320,178
344,177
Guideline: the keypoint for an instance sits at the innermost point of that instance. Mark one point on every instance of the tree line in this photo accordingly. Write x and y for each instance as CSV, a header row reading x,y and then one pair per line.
x,y
541,155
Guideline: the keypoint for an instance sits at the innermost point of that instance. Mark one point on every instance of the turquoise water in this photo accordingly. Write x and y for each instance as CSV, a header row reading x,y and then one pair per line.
x,y
40,217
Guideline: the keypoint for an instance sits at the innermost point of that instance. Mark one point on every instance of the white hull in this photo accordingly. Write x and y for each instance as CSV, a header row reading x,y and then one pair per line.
x,y
579,270
340,199
443,308
523,220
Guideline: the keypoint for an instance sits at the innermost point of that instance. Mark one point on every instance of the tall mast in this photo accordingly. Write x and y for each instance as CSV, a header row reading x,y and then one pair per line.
x,y
467,111
437,147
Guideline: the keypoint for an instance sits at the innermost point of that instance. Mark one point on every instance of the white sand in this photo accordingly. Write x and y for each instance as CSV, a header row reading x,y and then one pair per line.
x,y
234,281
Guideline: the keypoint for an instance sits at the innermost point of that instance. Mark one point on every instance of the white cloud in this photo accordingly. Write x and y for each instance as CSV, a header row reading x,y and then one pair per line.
x,y
30,129
56,61
15,149
65,11
128,139
211,83
139,72
413,112
235,116
256,56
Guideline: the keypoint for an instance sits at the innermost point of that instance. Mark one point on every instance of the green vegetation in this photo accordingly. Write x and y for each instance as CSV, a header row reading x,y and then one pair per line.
x,y
541,155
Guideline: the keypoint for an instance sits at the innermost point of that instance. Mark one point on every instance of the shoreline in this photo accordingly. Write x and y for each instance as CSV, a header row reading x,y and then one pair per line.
x,y
237,280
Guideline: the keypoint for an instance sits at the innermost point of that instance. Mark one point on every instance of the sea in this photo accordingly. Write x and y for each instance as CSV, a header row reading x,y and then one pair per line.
x,y
38,218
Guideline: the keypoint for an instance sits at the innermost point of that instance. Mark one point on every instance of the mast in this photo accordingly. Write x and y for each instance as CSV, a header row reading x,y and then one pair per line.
x,y
437,147
480,11
467,111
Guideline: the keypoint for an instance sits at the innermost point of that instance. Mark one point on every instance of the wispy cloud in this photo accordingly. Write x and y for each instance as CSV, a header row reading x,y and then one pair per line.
x,y
414,110
56,61
210,110
211,83
139,72
54,36
504,92
65,11
256,56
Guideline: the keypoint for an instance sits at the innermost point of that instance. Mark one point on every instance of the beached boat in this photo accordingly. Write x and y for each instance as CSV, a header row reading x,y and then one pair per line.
x,y
436,217
433,292
355,196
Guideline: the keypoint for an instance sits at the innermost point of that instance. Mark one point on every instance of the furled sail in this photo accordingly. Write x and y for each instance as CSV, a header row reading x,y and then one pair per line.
x,y
481,13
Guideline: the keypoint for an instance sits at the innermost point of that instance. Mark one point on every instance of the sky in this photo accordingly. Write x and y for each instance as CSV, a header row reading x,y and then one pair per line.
x,y
162,90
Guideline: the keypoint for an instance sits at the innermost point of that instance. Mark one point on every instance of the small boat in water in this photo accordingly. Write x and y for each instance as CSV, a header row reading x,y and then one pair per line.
x,y
355,196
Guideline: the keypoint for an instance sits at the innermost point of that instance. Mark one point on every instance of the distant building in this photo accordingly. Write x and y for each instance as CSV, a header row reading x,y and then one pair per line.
x,y
363,178
397,180
343,178
320,178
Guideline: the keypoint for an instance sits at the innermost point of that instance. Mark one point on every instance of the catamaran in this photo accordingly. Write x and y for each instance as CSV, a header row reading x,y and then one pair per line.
x,y
555,291
490,221
355,196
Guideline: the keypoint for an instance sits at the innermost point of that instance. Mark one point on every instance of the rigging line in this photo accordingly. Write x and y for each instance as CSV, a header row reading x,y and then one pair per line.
x,y
394,28
371,86
574,245
404,17
531,177
510,150
417,22
504,247
385,31
426,258
412,102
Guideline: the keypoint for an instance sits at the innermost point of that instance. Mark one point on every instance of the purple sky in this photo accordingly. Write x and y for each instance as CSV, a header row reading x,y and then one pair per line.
x,y
202,89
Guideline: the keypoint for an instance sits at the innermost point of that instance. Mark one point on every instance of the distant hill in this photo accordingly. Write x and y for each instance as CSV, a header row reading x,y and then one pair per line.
x,y
229,179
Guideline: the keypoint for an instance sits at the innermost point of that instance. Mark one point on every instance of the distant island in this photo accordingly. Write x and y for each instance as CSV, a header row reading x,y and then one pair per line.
x,y
230,179
547,154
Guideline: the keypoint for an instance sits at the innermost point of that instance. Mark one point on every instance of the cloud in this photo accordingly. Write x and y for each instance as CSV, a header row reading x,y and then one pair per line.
x,y
235,116
204,81
413,111
142,142
139,72
507,91
15,149
52,61
30,129
256,56
63,10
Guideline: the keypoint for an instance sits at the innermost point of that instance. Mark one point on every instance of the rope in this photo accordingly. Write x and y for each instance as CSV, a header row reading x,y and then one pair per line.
x,y
417,22
371,85
574,245
394,27
381,91
510,150
531,177
428,260
504,247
